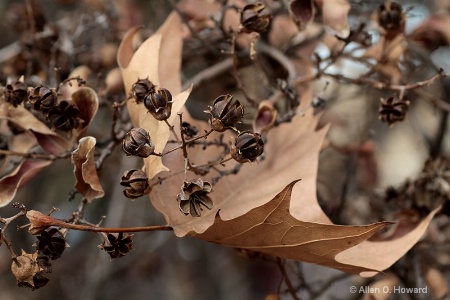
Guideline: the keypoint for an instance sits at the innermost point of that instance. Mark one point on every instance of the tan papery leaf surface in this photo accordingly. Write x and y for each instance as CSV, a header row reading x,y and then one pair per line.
x,y
26,170
88,183
271,229
334,14
159,59
46,138
86,100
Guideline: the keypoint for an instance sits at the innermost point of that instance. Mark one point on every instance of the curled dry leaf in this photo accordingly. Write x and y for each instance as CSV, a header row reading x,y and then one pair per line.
x,y
265,117
46,138
159,59
302,11
85,171
86,100
20,176
334,14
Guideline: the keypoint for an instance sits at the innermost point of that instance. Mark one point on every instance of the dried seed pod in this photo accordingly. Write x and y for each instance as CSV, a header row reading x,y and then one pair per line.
x,y
137,142
15,93
43,99
252,20
141,88
393,110
159,104
391,17
194,196
225,113
64,116
117,244
136,182
27,271
247,147
51,243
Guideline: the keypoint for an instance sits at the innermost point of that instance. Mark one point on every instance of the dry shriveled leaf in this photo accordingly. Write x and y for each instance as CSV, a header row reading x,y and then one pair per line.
x,y
86,100
20,176
46,138
88,183
159,59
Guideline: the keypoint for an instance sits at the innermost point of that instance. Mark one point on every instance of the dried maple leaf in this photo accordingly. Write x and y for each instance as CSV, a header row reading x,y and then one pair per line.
x,y
88,183
264,207
159,59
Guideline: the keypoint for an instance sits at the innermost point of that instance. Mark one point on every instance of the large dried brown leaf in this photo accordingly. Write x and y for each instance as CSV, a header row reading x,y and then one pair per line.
x,y
26,170
88,183
159,59
271,229
267,194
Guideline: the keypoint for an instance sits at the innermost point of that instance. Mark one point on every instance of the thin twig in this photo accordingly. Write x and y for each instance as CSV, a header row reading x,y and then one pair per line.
x,y
280,264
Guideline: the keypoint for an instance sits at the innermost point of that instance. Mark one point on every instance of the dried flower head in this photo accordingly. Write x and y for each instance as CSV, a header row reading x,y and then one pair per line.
x,y
393,110
64,116
252,20
43,99
137,142
117,245
136,182
247,147
27,271
141,88
159,103
225,113
193,196
15,93
51,243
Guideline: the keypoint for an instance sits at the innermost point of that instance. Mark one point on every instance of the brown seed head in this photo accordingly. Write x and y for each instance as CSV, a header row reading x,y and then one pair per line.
x,y
194,196
247,147
252,20
391,17
43,99
141,88
27,271
51,243
65,116
159,104
117,244
137,142
136,182
15,93
225,113
393,110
